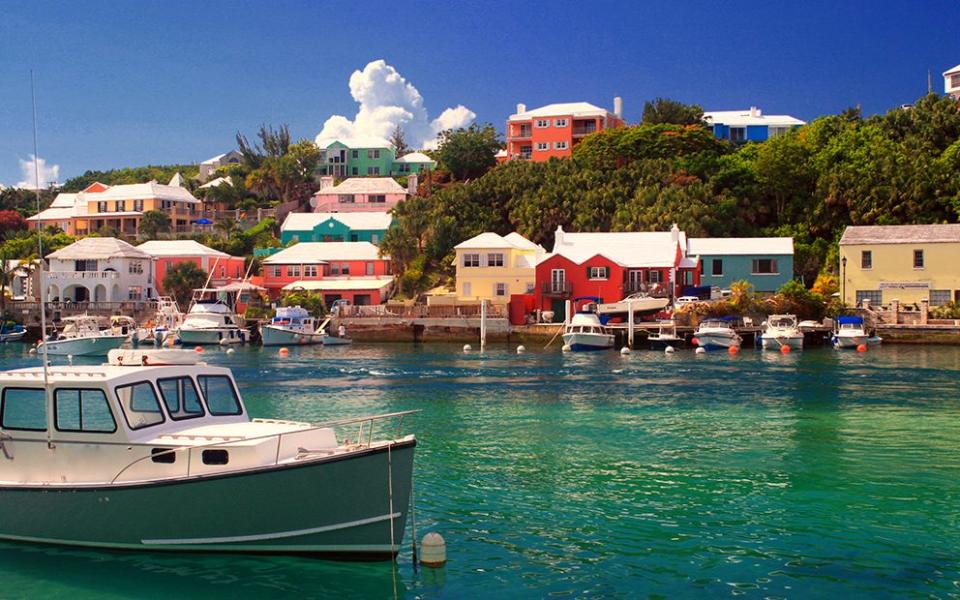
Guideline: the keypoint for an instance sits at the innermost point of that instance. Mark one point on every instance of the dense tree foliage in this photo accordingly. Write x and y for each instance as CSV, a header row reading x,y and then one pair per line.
x,y
160,173
181,279
277,169
25,201
664,110
153,223
11,222
897,168
469,152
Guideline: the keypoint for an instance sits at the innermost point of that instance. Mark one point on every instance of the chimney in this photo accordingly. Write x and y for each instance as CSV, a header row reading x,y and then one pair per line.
x,y
326,181
558,237
618,106
675,234
521,108
754,111
412,182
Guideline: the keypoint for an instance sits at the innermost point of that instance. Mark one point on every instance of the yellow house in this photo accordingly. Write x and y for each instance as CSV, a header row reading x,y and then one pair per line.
x,y
908,263
492,267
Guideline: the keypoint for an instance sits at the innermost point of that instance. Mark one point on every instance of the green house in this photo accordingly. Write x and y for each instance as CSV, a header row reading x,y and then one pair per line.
x,y
368,157
335,227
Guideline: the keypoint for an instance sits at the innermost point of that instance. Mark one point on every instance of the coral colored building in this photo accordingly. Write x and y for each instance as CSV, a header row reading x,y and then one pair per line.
x,y
612,266
221,267
352,271
553,130
358,194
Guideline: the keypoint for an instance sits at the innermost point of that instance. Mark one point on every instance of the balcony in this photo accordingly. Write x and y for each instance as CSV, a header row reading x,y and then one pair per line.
x,y
561,289
582,130
83,275
524,133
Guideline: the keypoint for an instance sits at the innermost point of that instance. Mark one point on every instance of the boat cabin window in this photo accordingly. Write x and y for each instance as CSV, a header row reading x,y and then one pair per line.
x,y
181,397
83,410
140,405
220,395
24,409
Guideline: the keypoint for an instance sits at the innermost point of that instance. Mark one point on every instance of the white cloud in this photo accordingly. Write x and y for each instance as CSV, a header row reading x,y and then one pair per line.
x,y
48,174
386,99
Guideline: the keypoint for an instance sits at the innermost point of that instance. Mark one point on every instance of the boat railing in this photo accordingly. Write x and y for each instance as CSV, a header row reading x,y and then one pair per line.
x,y
364,423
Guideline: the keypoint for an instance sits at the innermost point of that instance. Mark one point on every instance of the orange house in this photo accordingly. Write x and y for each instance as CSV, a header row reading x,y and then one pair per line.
x,y
552,131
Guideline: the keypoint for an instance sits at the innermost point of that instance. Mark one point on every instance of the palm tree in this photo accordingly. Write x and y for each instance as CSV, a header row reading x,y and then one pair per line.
x,y
180,280
227,226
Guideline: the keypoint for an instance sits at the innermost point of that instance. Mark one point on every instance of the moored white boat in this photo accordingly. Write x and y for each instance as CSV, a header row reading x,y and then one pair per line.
x,y
780,331
82,336
211,322
850,332
716,334
166,458
292,325
584,332
639,303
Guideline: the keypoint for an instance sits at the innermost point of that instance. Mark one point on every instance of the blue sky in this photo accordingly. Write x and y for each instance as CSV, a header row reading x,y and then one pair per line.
x,y
134,83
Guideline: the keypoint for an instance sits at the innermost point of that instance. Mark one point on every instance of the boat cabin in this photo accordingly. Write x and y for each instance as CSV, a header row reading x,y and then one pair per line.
x,y
146,415
585,323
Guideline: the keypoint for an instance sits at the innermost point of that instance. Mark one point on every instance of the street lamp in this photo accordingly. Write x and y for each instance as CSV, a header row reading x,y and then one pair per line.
x,y
843,280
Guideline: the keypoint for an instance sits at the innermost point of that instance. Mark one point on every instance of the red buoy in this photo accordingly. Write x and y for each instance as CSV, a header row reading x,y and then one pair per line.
x,y
862,348
785,349
695,341
733,350
198,349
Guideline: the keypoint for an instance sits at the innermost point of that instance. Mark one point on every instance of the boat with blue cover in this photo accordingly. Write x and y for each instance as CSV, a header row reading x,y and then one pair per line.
x,y
850,332
717,333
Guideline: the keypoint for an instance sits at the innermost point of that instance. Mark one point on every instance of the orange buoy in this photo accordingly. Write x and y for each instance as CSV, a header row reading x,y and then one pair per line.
x,y
733,350
695,341
198,349
785,349
284,351
862,348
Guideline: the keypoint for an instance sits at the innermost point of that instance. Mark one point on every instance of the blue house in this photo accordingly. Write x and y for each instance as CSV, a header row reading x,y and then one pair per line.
x,y
335,227
765,263
749,125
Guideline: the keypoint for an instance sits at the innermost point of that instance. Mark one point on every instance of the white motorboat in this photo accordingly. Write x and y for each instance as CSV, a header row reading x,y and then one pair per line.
x,y
164,324
780,331
717,333
211,322
292,325
640,303
82,336
584,332
98,456
666,336
850,332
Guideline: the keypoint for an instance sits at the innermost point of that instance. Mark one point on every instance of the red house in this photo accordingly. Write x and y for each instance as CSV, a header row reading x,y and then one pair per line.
x,y
612,266
221,267
352,271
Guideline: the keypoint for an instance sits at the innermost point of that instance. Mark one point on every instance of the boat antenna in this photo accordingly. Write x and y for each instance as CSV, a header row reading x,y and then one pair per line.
x,y
43,303
206,284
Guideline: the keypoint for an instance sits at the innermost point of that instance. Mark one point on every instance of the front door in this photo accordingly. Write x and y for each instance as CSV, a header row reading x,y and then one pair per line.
x,y
558,307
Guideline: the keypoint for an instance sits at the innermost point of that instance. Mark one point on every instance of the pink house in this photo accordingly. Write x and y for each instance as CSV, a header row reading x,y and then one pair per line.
x,y
353,271
358,194
221,267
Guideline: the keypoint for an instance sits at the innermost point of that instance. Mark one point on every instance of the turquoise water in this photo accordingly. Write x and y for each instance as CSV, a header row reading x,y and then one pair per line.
x,y
819,473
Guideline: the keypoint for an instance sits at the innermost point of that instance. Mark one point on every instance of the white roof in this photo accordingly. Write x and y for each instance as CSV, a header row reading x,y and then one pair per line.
x,y
179,248
215,182
628,249
496,241
571,109
359,141
64,200
322,252
216,159
54,214
415,157
365,185
354,283
98,248
357,220
740,246
956,69
501,153
138,191
743,118
176,180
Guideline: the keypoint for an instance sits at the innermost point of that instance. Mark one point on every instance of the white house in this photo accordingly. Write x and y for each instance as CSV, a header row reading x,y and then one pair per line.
x,y
210,165
951,82
98,270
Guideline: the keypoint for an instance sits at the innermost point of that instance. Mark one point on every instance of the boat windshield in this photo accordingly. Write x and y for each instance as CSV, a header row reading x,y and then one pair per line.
x,y
140,405
782,323
221,396
181,397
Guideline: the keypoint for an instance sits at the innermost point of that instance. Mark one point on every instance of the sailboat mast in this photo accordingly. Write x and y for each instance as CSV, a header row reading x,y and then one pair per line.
x,y
43,303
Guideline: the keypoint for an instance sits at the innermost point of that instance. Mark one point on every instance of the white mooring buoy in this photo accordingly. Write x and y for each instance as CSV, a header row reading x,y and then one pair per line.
x,y
521,349
467,348
669,350
625,351
700,350
224,342
433,550
230,350
566,348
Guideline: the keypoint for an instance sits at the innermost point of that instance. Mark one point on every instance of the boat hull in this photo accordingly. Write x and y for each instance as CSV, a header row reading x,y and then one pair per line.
x,y
775,343
713,341
588,341
83,346
213,336
15,336
330,340
852,341
337,507
272,335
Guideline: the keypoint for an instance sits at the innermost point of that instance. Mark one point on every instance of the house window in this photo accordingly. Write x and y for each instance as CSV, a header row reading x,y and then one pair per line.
x,y
374,238
355,153
939,297
773,132
309,270
369,268
354,171
560,123
334,268
738,134
955,81
542,146
531,287
101,206
495,260
354,237
918,259
135,292
345,269
654,277
559,145
716,267
223,271
345,198
373,154
373,170
874,296
136,267
138,205
501,289
543,123
471,260
276,271
121,205
765,266
558,281
377,198
84,265
598,272
293,271
866,259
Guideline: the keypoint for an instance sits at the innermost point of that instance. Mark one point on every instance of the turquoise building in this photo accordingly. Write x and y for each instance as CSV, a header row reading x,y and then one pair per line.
x,y
368,157
765,263
335,227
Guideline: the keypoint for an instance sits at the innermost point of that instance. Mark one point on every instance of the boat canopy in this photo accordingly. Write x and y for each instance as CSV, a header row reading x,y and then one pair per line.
x,y
850,320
